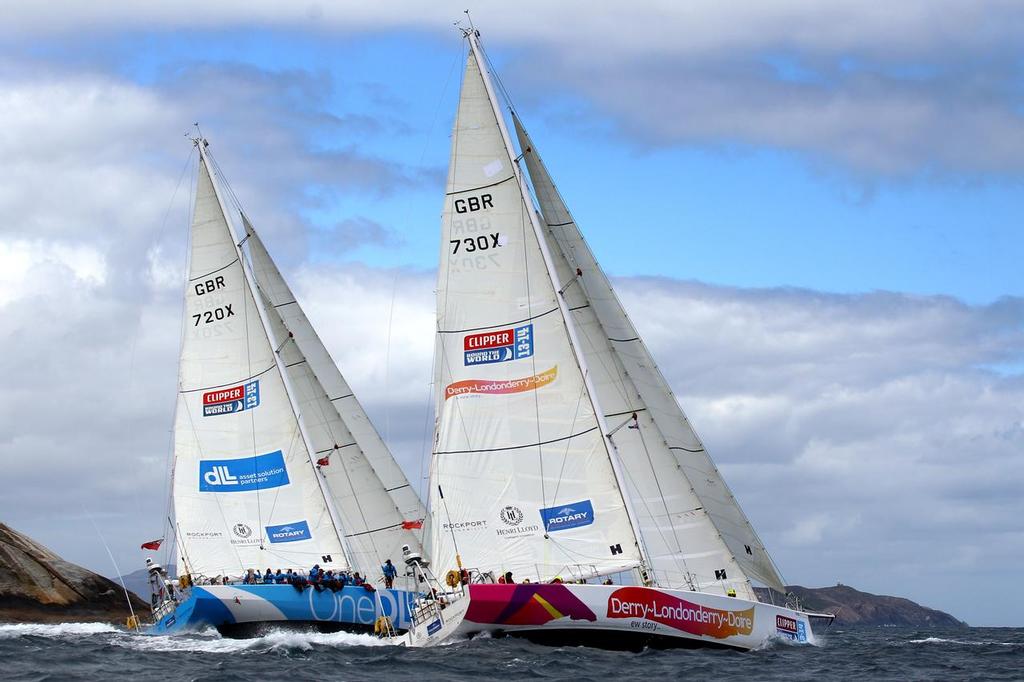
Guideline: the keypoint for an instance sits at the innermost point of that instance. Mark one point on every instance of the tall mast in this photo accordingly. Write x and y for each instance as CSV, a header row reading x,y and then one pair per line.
x,y
613,456
276,347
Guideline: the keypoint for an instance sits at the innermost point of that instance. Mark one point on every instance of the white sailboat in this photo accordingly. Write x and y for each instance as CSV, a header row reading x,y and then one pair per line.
x,y
275,462
560,453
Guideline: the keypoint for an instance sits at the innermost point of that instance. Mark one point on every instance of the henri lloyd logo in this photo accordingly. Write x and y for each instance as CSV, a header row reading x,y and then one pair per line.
x,y
567,516
243,535
289,532
234,399
500,346
512,517
241,475
644,603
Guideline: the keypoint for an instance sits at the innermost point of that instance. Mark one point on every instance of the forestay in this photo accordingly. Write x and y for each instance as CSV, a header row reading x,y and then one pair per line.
x,y
694,531
377,506
245,490
519,455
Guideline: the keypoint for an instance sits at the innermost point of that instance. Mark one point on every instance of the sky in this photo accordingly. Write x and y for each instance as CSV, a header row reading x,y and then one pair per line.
x,y
812,211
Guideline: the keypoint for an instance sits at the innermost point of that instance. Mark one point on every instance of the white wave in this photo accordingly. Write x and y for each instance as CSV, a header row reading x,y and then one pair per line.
x,y
14,630
212,643
940,640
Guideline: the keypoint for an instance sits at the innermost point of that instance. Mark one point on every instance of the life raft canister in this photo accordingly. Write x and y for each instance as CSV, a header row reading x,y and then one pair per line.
x,y
451,578
382,626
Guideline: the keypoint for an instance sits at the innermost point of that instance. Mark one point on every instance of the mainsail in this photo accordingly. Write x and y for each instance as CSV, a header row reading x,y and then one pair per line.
x,y
693,528
522,476
247,493
377,506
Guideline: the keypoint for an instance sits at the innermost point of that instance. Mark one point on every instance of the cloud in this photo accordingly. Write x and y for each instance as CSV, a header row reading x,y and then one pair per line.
x,y
919,88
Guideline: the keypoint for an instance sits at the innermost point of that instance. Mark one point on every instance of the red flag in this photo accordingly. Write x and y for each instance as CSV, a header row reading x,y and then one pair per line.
x,y
323,461
152,544
412,525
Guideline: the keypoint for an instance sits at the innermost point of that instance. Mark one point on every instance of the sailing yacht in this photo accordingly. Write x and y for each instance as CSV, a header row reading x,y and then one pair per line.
x,y
561,458
275,462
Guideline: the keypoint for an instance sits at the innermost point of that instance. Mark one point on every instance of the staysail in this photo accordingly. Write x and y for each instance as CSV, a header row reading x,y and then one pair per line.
x,y
379,510
696,534
522,478
246,491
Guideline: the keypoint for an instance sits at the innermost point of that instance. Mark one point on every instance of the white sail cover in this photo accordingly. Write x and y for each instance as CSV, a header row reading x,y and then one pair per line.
x,y
377,517
519,456
694,531
246,493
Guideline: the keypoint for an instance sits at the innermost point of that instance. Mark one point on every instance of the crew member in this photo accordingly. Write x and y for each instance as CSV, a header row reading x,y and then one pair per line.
x,y
390,572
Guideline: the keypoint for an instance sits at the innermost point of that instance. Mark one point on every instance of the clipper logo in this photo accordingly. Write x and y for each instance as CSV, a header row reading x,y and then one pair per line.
x,y
500,346
289,532
241,475
483,386
791,628
229,400
567,516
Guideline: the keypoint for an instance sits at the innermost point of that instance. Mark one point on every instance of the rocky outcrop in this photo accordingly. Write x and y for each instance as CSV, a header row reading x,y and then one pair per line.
x,y
853,607
36,586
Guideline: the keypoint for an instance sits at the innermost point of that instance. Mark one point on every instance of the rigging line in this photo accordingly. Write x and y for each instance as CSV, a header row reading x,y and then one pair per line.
x,y
679,447
342,397
653,517
517,447
374,530
387,362
237,381
500,324
661,493
565,453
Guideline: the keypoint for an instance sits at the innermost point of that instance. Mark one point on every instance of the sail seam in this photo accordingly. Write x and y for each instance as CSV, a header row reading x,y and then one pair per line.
x,y
237,381
518,447
477,189
579,307
560,224
500,324
279,305
214,271
619,414
348,395
635,338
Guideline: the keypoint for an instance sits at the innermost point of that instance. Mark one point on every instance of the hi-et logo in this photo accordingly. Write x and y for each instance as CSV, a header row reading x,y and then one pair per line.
x,y
244,474
567,516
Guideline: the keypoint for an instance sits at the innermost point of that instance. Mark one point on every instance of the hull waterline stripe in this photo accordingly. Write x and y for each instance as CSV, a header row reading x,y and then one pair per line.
x,y
500,324
517,447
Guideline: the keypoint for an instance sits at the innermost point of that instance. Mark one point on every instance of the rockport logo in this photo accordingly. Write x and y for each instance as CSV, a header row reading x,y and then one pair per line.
x,y
511,516
464,525
652,605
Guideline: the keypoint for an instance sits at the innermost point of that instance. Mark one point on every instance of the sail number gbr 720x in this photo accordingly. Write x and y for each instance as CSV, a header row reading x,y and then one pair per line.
x,y
216,314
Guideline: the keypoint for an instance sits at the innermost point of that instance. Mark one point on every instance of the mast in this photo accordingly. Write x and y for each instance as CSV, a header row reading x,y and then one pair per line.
x,y
609,444
201,143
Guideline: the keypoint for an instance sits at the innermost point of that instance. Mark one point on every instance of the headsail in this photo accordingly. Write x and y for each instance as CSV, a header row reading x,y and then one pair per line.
x,y
519,454
246,492
377,506
694,530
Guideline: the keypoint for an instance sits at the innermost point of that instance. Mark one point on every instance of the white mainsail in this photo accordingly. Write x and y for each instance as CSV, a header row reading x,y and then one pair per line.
x,y
246,491
695,533
522,479
377,506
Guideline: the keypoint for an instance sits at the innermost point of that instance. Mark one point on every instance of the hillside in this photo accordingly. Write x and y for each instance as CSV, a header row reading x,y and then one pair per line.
x,y
853,607
37,586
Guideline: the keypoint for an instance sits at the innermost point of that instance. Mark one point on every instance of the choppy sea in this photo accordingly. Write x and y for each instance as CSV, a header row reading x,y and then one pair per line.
x,y
95,651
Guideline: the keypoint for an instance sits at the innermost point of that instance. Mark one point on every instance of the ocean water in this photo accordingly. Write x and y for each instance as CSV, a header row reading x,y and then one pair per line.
x,y
95,651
